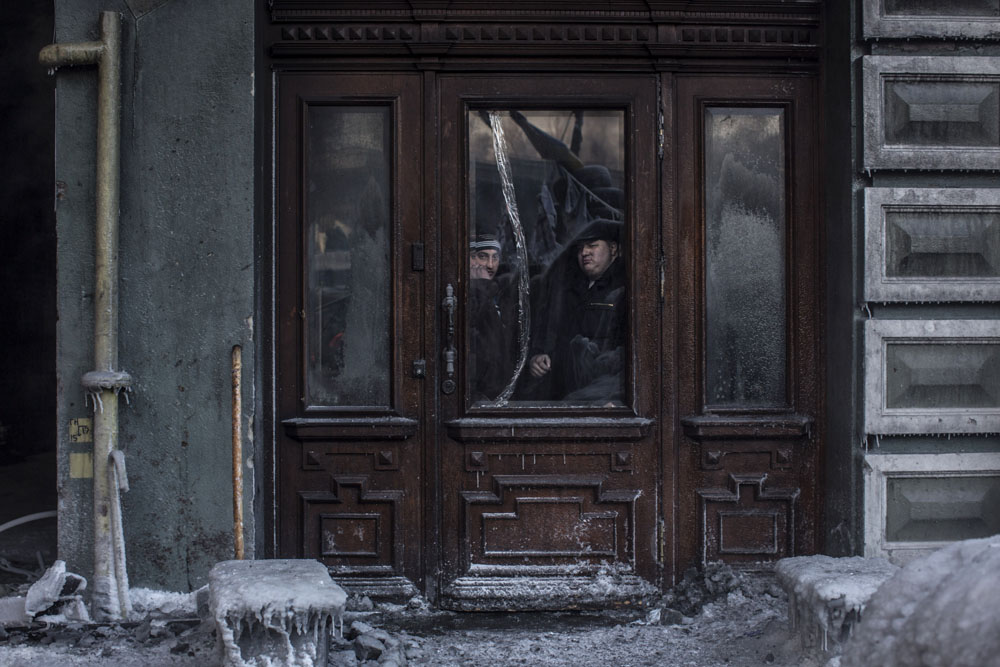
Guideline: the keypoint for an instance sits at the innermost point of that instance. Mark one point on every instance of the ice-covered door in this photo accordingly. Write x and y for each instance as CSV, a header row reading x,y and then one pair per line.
x,y
348,328
549,290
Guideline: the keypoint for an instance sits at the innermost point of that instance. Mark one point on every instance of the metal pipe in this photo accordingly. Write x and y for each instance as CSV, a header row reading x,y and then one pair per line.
x,y
106,381
238,452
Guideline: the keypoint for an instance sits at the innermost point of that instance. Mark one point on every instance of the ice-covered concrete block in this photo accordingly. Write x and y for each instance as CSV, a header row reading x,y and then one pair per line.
x,y
826,596
12,611
274,612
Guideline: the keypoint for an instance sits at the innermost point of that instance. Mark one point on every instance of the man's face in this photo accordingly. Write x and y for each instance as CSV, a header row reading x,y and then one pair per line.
x,y
483,263
596,256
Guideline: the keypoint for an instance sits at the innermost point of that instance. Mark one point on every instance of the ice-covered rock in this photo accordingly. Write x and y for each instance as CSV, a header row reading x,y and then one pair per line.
x,y
12,611
271,613
164,604
827,596
938,611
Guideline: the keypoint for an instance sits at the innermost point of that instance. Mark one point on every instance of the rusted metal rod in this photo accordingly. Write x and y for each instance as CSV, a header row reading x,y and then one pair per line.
x,y
110,597
237,452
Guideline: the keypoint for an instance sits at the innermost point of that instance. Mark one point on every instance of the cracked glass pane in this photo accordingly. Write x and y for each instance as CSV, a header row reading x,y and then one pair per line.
x,y
546,300
347,215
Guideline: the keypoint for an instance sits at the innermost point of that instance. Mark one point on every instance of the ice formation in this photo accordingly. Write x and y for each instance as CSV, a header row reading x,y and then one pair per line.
x,y
938,611
830,593
271,613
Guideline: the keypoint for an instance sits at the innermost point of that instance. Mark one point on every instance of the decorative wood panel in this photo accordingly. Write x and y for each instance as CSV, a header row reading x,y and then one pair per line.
x,y
930,112
581,30
747,520
932,244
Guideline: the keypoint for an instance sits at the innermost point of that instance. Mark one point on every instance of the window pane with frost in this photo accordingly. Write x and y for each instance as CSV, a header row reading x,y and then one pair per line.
x,y
347,246
745,295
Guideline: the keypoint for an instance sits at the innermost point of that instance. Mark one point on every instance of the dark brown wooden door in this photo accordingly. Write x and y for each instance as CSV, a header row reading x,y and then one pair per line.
x,y
549,494
440,234
747,306
350,396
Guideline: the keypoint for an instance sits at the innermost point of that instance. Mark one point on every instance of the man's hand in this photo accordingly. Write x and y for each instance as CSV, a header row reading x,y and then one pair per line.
x,y
479,272
539,365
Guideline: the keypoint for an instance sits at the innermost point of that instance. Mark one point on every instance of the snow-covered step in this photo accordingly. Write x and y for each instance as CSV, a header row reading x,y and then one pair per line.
x,y
827,596
274,612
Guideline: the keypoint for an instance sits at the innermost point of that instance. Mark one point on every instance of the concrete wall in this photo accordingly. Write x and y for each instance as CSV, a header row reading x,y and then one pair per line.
x,y
187,276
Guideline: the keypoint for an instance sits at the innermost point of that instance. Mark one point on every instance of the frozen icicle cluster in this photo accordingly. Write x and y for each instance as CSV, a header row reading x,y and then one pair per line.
x,y
827,596
272,613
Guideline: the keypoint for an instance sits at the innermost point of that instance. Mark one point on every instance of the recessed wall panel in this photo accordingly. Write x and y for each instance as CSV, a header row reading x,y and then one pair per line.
x,y
931,112
932,376
966,19
916,503
932,244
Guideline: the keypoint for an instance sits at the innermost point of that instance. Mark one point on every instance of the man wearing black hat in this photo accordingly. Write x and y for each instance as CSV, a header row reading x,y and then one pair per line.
x,y
578,342
492,320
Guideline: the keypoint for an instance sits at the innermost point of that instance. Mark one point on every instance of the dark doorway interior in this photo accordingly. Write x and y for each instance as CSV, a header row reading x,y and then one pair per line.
x,y
27,299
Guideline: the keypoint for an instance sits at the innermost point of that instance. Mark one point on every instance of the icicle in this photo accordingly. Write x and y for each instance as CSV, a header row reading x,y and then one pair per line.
x,y
522,461
534,459
521,246
564,458
477,479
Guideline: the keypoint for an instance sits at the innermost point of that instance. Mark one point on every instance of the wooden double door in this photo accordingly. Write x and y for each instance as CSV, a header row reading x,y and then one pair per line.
x,y
544,340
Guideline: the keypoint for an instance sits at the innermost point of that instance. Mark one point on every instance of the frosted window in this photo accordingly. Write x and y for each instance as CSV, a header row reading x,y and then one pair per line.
x,y
942,375
347,216
931,509
745,302
942,244
942,113
942,7
546,317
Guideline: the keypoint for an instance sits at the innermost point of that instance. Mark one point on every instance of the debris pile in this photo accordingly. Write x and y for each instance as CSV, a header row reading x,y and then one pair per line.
x,y
57,597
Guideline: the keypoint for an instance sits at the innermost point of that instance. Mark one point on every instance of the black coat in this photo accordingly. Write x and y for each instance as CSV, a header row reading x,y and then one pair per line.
x,y
493,335
582,328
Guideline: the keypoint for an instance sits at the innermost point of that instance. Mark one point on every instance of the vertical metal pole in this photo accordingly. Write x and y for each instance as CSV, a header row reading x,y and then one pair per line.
x,y
105,597
237,452
105,382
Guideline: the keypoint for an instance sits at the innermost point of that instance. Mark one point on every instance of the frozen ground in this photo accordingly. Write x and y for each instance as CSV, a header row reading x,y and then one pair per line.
x,y
746,625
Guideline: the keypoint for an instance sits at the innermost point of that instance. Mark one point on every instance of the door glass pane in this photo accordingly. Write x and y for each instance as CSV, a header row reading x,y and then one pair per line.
x,y
546,298
931,509
942,375
745,302
347,204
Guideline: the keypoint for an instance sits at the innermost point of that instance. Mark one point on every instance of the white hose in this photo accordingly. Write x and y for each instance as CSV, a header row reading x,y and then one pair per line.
x,y
28,518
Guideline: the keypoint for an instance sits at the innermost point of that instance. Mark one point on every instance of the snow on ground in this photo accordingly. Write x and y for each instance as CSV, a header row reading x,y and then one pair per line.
x,y
746,625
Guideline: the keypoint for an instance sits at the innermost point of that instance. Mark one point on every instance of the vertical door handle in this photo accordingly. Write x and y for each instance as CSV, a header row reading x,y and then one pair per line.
x,y
449,354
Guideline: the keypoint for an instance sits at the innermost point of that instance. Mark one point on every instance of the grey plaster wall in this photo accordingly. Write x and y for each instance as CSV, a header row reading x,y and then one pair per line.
x,y
186,276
